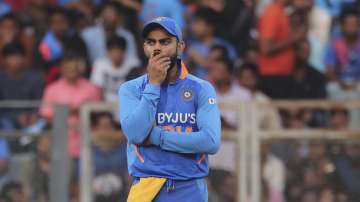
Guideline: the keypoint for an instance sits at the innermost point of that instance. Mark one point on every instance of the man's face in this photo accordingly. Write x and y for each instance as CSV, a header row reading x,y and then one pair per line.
x,y
105,123
14,62
350,26
159,41
216,54
59,25
9,30
218,72
116,55
199,27
70,69
247,79
110,17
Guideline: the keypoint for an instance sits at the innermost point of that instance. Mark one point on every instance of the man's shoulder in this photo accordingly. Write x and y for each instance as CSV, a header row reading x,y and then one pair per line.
x,y
102,63
56,85
89,32
203,84
196,79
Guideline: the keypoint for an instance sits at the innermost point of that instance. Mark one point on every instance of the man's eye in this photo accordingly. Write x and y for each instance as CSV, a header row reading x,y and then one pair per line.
x,y
166,42
151,43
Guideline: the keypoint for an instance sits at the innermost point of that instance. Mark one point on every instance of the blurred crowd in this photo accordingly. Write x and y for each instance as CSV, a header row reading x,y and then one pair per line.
x,y
76,51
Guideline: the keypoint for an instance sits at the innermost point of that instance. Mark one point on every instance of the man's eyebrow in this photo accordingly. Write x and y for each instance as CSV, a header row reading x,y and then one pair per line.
x,y
150,39
165,39
162,39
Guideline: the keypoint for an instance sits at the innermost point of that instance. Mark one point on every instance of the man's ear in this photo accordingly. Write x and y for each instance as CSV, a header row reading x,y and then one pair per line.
x,y
180,47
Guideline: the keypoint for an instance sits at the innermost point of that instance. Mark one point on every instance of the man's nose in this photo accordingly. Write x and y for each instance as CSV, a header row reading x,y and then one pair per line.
x,y
158,46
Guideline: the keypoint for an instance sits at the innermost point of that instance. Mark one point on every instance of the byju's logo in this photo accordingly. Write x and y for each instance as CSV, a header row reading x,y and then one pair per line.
x,y
176,118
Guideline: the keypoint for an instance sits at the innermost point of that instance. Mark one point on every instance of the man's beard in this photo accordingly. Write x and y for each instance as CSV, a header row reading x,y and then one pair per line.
x,y
173,63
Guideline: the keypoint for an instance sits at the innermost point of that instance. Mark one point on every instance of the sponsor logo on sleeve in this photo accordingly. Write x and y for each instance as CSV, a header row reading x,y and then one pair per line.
x,y
212,101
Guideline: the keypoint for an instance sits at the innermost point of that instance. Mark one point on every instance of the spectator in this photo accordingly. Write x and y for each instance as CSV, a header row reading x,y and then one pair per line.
x,y
248,78
319,30
11,31
56,41
110,72
13,192
276,43
217,52
343,61
34,17
174,9
203,27
339,119
38,174
307,82
273,173
240,25
109,25
109,150
341,58
347,166
75,91
228,92
18,83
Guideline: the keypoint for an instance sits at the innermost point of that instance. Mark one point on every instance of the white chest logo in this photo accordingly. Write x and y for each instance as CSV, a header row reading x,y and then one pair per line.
x,y
176,118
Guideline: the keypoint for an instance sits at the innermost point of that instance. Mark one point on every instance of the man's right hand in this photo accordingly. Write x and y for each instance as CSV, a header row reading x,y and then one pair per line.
x,y
157,68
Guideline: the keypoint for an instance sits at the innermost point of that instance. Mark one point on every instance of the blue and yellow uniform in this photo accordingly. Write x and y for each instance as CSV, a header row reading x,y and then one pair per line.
x,y
182,120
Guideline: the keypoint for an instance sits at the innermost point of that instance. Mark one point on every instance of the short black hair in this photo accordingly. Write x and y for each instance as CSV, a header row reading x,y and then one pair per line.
x,y
339,110
348,12
116,42
228,63
13,48
58,11
119,8
248,67
222,48
209,15
10,16
96,116
70,55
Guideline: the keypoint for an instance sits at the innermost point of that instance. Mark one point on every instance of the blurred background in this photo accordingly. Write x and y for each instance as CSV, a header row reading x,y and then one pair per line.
x,y
73,52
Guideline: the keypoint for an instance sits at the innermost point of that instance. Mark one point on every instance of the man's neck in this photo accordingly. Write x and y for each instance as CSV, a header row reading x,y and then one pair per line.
x,y
72,82
208,39
117,65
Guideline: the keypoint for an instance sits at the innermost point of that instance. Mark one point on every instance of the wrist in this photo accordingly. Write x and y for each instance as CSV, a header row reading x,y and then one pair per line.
x,y
155,136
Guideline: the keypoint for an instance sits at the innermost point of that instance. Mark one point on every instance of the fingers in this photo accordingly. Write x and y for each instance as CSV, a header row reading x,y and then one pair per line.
x,y
157,55
160,62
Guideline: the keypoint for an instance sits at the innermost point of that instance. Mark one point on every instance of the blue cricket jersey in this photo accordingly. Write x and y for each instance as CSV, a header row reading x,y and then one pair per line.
x,y
181,119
